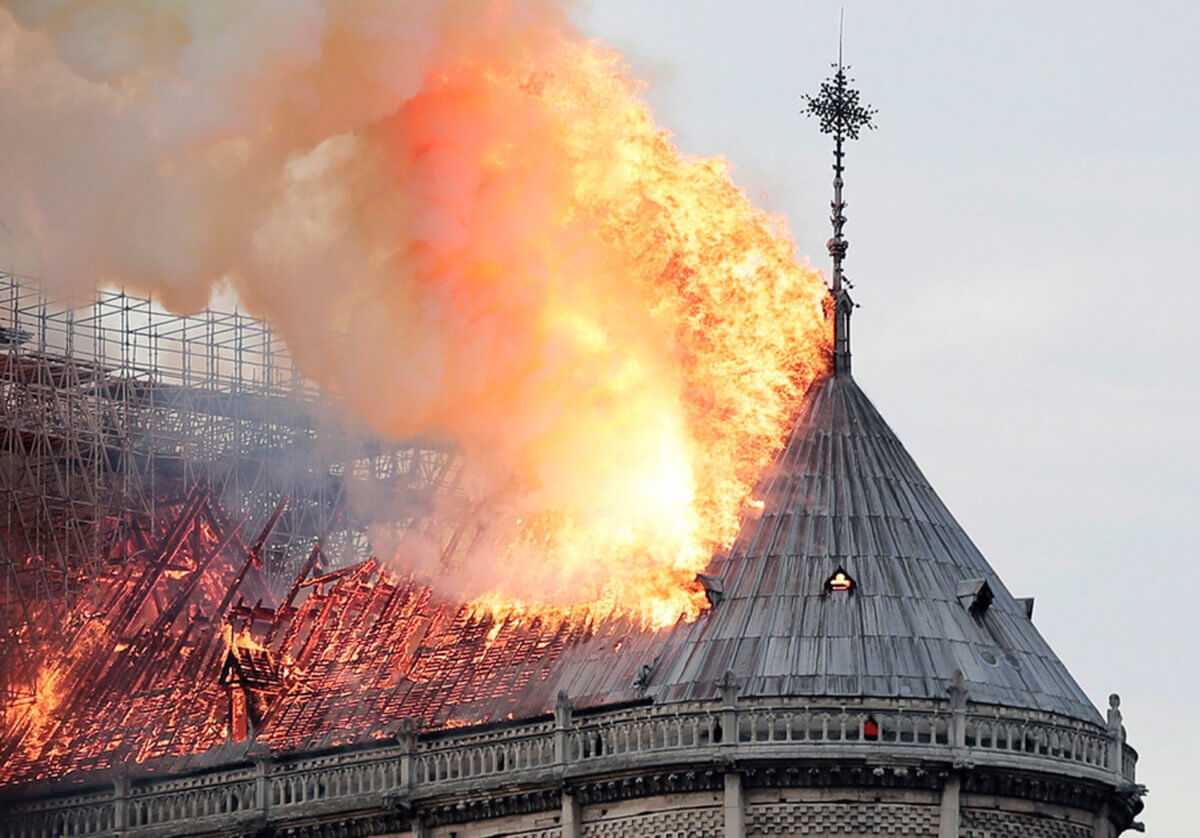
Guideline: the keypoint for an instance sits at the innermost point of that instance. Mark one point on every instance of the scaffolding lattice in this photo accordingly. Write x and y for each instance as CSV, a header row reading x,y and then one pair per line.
x,y
111,407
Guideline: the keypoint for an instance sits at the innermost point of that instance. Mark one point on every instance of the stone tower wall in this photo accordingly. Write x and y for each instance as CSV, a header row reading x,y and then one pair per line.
x,y
842,812
827,812
668,771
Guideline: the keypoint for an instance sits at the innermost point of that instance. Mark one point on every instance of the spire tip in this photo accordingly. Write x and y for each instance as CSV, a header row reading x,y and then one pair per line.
x,y
840,113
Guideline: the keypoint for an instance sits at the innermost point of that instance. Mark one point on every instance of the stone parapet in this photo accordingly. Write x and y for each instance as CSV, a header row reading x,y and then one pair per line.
x,y
502,771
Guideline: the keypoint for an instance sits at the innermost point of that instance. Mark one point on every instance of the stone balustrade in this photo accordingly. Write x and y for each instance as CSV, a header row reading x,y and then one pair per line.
x,y
416,768
475,760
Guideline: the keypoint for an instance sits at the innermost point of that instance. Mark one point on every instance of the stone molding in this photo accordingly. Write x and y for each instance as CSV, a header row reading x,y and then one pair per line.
x,y
842,819
479,773
647,785
487,808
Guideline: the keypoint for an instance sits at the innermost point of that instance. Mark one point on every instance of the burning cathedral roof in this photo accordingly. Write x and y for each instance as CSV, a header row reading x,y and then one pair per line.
x,y
853,582
857,581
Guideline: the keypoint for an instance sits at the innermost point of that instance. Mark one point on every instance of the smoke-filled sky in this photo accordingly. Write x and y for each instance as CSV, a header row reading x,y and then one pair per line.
x,y
1020,225
464,222
1022,231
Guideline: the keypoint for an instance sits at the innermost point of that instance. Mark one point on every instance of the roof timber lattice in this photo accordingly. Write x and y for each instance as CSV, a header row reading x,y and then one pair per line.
x,y
113,409
358,653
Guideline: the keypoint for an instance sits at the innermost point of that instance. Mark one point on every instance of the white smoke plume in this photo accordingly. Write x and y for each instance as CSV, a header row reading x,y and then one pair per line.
x,y
462,220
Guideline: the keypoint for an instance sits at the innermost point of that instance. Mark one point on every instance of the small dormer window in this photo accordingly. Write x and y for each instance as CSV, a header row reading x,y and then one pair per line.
x,y
714,588
839,583
975,595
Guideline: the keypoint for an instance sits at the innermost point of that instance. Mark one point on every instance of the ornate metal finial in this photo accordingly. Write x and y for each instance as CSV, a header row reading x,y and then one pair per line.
x,y
841,114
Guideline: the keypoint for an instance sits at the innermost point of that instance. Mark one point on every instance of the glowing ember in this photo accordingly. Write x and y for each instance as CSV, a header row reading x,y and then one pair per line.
x,y
840,582
355,654
464,221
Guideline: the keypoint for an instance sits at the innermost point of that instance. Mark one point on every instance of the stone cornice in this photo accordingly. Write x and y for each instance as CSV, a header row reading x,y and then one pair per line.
x,y
628,752
497,805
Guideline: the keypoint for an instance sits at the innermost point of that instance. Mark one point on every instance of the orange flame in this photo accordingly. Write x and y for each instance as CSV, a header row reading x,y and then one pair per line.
x,y
461,218
627,334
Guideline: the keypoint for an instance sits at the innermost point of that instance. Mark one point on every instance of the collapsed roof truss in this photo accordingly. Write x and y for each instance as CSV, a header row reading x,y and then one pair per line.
x,y
111,406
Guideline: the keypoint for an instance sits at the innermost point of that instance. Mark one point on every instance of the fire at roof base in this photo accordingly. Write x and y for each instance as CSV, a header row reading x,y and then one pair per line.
x,y
359,700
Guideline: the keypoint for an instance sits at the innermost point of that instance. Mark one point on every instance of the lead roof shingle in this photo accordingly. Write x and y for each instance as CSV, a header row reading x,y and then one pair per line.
x,y
844,492
368,651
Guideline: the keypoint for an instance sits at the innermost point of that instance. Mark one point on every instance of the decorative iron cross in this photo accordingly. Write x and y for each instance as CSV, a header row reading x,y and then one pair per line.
x,y
842,115
838,108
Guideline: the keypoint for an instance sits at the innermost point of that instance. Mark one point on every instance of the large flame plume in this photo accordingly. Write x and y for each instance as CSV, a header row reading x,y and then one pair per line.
x,y
463,221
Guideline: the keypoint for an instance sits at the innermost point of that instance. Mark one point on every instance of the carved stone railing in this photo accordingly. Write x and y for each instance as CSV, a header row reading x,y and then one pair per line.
x,y
196,799
485,755
332,781
413,768
925,730
76,814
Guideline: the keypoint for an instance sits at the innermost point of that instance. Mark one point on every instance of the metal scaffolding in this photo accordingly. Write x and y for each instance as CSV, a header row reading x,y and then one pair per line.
x,y
113,410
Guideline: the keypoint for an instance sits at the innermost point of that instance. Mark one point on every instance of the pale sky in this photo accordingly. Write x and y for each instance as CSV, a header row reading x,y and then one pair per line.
x,y
1022,243
1021,231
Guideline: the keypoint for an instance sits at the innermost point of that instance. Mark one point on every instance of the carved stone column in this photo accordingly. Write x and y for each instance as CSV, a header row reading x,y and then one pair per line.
x,y
735,806
562,728
1116,733
407,737
735,799
950,813
572,815
958,713
729,706
120,802
950,810
262,784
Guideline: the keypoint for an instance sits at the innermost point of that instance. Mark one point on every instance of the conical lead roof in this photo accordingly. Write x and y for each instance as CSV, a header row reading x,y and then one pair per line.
x,y
844,494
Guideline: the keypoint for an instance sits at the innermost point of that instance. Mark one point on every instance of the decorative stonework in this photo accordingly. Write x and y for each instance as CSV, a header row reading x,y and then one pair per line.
x,y
483,775
844,775
1059,791
647,785
999,824
837,819
365,827
492,806
685,823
